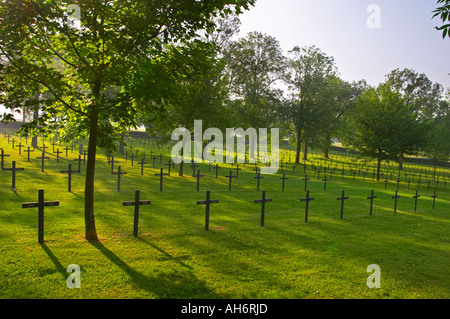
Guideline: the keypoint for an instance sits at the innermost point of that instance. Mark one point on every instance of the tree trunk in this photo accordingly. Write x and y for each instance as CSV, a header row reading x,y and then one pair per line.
x,y
34,140
378,168
182,161
434,171
305,151
89,219
122,144
299,144
91,233
400,163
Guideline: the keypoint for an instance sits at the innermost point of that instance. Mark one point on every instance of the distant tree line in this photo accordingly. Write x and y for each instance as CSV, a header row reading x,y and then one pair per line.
x,y
164,64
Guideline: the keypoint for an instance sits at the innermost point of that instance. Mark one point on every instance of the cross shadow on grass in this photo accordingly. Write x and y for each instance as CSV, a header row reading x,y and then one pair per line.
x,y
59,267
166,283
16,194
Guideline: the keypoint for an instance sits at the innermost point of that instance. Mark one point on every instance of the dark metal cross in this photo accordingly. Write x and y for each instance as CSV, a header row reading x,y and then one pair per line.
x,y
111,162
230,177
161,179
237,169
119,173
434,198
136,203
28,151
256,169
142,163
259,177
194,167
20,148
306,179
217,169
79,162
283,178
3,155
40,204
371,197
13,169
57,155
43,158
307,200
207,202
170,165
325,180
395,203
44,147
69,171
198,179
415,200
342,199
85,153
263,201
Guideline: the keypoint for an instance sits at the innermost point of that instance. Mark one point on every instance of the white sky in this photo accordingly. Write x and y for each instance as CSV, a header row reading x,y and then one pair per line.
x,y
407,37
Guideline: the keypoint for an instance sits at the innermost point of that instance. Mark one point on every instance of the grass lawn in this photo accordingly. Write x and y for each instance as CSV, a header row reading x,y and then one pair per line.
x,y
174,257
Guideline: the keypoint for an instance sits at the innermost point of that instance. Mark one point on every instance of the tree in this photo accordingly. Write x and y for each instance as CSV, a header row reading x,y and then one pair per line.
x,y
254,66
190,80
444,14
85,67
438,136
421,96
309,73
382,127
334,100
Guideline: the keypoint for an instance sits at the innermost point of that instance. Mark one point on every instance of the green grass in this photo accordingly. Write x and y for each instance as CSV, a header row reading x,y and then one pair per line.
x,y
174,257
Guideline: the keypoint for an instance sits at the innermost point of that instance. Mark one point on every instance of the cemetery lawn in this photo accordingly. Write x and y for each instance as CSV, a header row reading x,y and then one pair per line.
x,y
174,257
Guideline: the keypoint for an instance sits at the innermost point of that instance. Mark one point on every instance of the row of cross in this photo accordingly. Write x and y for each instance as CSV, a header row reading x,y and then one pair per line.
x,y
170,165
41,203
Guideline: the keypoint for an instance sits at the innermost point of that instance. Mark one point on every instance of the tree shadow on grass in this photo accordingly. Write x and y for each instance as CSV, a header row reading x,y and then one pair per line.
x,y
169,256
168,283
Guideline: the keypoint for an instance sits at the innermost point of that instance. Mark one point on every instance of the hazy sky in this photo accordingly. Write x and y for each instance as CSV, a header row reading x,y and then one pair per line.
x,y
407,37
